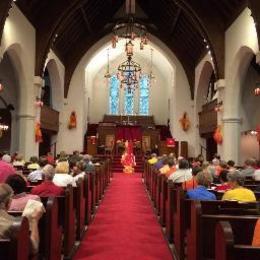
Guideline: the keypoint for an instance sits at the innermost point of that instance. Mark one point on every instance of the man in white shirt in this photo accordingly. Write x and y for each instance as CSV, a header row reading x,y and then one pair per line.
x,y
182,174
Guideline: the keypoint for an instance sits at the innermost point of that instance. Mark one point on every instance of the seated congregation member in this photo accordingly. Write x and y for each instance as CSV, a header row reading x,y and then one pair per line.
x,y
249,168
90,167
204,180
78,171
165,168
62,178
6,168
153,159
36,175
182,174
18,161
48,188
192,183
224,181
33,164
172,167
231,165
20,198
6,220
50,158
257,171
160,162
238,192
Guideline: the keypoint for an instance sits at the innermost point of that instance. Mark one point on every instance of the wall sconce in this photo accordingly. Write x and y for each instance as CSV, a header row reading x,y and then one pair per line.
x,y
38,102
219,106
257,89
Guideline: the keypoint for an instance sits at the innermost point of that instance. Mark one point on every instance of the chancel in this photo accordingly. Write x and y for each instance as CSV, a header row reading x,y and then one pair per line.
x,y
129,129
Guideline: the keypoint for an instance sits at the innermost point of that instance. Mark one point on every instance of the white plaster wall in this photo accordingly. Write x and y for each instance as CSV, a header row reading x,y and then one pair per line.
x,y
19,41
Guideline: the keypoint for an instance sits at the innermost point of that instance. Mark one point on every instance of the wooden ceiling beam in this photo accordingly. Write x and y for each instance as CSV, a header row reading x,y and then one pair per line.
x,y
175,21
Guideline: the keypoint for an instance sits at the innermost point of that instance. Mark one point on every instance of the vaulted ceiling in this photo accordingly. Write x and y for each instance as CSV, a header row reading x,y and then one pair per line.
x,y
70,28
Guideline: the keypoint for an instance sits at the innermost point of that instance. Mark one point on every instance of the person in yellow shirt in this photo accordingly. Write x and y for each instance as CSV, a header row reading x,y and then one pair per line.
x,y
153,160
238,192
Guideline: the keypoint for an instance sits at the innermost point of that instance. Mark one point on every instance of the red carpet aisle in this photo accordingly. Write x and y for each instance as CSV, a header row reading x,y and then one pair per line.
x,y
125,227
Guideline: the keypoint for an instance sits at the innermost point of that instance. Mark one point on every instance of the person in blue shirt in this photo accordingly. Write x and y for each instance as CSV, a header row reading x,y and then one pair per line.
x,y
204,179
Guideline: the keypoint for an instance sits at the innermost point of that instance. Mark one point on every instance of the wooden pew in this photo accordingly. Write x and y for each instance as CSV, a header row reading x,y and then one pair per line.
x,y
49,230
93,191
17,247
203,219
228,244
163,199
158,193
67,218
79,207
87,195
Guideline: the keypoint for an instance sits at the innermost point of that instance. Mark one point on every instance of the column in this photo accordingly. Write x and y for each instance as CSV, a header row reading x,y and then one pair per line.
x,y
231,144
26,120
258,58
220,88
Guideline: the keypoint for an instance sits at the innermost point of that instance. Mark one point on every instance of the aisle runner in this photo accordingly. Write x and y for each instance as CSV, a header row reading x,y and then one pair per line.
x,y
125,227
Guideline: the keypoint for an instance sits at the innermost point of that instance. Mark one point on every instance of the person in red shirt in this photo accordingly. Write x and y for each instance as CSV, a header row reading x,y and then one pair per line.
x,y
224,181
48,188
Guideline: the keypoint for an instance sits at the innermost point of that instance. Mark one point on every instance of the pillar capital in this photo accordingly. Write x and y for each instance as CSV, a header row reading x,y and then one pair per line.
x,y
258,58
220,84
38,81
231,120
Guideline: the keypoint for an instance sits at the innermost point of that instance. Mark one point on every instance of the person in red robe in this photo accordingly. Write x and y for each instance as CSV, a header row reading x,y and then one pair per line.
x,y
128,158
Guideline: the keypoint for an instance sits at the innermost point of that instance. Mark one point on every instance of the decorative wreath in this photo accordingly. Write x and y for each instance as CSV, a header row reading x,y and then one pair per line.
x,y
73,120
185,122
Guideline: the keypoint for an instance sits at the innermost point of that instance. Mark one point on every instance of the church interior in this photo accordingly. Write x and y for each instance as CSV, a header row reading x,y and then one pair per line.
x,y
129,129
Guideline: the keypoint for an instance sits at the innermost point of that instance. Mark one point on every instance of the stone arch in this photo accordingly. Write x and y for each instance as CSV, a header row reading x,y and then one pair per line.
x,y
237,75
56,84
202,88
16,102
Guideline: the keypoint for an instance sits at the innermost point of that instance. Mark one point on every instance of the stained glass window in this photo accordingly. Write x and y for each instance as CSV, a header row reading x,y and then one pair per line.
x,y
144,95
129,102
114,96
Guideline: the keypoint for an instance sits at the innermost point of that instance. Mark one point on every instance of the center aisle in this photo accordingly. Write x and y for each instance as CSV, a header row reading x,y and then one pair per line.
x,y
125,226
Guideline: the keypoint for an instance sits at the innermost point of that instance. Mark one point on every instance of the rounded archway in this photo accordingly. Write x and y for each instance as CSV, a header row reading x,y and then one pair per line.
x,y
10,98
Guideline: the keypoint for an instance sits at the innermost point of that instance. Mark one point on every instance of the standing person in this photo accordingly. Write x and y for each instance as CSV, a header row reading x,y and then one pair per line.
x,y
128,158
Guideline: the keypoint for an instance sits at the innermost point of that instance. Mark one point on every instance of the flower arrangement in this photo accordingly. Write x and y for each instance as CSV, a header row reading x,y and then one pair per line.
x,y
72,120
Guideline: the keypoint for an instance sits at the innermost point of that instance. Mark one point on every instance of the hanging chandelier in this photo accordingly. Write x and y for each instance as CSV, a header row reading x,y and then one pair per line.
x,y
129,74
129,28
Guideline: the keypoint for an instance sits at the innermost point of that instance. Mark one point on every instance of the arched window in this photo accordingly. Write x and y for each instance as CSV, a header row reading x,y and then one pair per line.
x,y
129,101
144,95
114,95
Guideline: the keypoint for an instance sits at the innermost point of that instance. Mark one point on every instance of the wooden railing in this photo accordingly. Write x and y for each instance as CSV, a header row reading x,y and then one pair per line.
x,y
49,119
208,118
